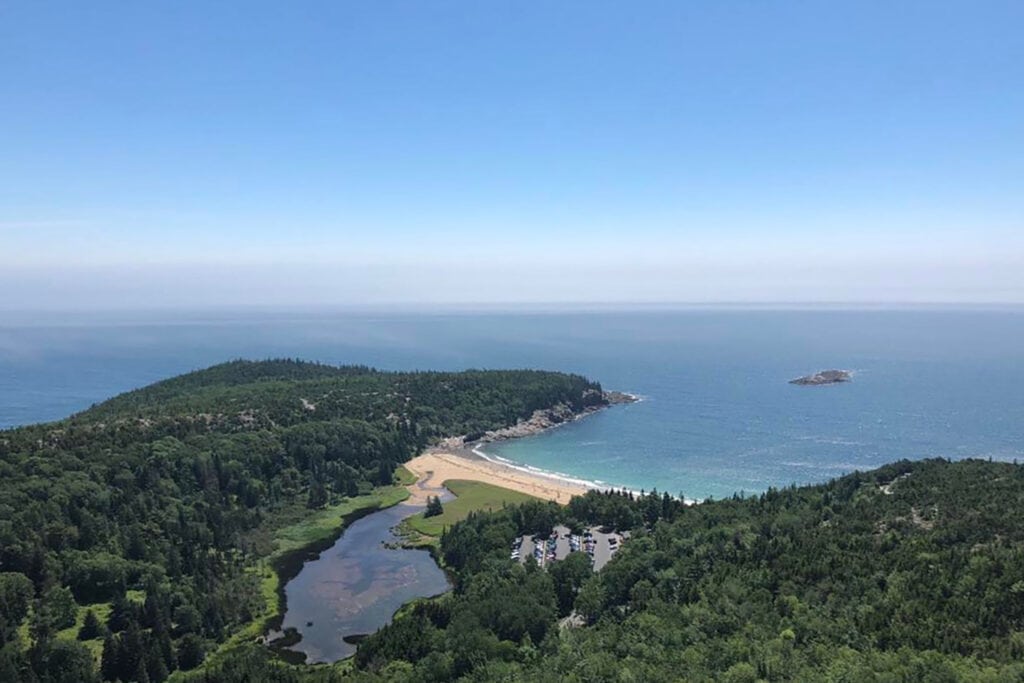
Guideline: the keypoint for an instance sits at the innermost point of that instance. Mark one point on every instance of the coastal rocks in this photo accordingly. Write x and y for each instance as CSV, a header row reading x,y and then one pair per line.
x,y
540,421
824,377
618,397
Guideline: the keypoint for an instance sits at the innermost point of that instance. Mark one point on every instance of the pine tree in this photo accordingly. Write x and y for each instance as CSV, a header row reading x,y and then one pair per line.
x,y
41,624
434,507
157,669
122,615
12,663
131,653
91,627
164,648
141,675
190,652
110,659
317,497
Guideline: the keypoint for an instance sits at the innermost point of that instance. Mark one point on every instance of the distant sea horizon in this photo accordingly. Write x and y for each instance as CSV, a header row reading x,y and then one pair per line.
x,y
718,415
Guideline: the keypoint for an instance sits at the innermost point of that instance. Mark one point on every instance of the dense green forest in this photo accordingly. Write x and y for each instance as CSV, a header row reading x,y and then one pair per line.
x,y
132,536
130,533
913,572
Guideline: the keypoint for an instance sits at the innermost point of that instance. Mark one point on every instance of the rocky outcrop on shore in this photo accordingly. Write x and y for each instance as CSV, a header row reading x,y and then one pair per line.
x,y
541,420
823,377
618,397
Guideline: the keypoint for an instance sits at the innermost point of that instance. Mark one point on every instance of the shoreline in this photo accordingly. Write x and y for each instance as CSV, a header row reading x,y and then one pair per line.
x,y
294,547
283,641
445,465
532,471
460,458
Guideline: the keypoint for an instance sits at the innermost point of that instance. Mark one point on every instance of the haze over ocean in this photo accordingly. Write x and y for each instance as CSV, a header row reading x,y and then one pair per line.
x,y
339,154
718,415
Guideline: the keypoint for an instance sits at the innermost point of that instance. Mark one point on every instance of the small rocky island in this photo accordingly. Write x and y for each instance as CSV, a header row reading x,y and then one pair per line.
x,y
824,377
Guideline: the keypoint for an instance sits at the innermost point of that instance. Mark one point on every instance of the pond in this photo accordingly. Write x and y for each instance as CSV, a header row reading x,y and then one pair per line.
x,y
354,587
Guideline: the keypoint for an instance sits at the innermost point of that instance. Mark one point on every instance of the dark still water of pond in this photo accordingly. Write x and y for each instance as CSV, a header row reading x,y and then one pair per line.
x,y
355,586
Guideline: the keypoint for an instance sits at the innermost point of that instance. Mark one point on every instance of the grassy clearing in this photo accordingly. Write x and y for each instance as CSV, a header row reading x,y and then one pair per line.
x,y
471,496
95,646
404,477
102,610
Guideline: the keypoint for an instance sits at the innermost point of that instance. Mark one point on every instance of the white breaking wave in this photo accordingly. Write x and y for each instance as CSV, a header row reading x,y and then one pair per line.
x,y
595,484
529,469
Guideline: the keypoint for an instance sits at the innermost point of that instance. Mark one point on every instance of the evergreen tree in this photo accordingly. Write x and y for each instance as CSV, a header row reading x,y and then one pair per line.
x,y
15,597
434,507
317,497
13,665
569,575
157,669
130,655
190,652
141,674
91,627
186,620
110,660
41,624
122,614
164,648
63,661
385,474
152,609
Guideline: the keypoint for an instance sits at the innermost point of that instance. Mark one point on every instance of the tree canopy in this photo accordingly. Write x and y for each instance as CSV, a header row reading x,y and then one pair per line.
x,y
153,507
913,572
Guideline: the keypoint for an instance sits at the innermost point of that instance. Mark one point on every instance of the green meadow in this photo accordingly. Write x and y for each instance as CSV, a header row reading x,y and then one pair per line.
x,y
471,496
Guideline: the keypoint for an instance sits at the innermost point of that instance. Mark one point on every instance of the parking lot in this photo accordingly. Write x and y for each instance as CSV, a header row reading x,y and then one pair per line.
x,y
599,545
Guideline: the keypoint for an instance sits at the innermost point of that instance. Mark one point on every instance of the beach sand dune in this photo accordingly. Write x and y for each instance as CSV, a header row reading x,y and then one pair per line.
x,y
435,467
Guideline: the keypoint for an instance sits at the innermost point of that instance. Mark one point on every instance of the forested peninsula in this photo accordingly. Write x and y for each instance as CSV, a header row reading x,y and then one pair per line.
x,y
138,538
137,543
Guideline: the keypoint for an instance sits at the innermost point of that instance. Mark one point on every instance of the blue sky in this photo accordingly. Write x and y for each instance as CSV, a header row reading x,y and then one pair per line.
x,y
181,154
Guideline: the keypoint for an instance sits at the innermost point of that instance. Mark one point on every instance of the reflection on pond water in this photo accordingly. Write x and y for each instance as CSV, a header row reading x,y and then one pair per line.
x,y
354,587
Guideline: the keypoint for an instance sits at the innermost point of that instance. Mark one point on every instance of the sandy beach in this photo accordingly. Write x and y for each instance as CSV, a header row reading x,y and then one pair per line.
x,y
433,468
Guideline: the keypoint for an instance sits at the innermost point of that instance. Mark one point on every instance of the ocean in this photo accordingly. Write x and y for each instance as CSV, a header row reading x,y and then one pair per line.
x,y
717,414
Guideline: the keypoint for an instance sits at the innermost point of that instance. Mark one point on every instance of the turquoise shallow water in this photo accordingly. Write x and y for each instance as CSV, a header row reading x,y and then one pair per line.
x,y
718,415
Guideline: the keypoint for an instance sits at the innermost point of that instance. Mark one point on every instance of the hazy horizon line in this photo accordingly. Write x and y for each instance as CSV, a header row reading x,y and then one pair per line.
x,y
595,306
